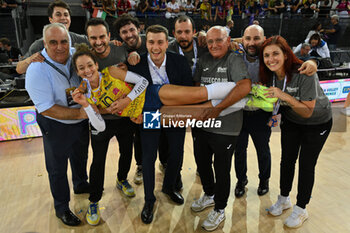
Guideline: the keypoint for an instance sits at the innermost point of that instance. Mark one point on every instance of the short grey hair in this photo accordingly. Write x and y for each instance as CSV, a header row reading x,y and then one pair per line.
x,y
221,28
55,25
336,17
304,45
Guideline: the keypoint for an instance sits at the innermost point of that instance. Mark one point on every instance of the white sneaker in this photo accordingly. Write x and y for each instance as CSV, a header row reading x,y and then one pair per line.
x,y
345,111
202,203
138,178
213,220
282,203
296,219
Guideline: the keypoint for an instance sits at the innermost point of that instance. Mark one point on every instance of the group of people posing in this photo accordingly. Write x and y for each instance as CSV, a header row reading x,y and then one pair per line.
x,y
152,72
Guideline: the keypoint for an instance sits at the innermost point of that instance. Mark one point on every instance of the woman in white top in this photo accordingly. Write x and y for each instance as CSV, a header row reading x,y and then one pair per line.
x,y
319,47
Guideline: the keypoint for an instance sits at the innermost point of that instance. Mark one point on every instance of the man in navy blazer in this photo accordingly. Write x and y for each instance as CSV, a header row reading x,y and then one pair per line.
x,y
161,67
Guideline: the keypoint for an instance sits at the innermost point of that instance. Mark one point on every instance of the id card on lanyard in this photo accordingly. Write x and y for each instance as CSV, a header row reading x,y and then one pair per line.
x,y
69,90
275,118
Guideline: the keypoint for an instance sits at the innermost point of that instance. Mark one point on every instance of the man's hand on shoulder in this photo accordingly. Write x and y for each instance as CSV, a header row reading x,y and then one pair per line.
x,y
117,43
308,68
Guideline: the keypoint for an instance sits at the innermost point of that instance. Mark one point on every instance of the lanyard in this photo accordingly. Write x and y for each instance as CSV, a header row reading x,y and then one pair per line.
x,y
195,56
277,105
60,71
164,79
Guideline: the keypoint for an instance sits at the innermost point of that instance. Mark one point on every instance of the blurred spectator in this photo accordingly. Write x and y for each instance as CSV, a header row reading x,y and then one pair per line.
x,y
272,8
214,10
229,26
279,5
315,29
303,54
205,10
142,27
319,48
6,6
133,4
256,22
333,33
251,8
308,9
123,6
197,9
238,7
2,50
343,8
87,5
262,8
97,4
142,7
13,53
188,8
163,7
205,26
109,7
173,9
153,6
324,8
229,9
288,9
297,7
221,10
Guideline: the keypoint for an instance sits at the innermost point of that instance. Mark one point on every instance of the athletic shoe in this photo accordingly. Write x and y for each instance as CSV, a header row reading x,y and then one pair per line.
x,y
202,203
138,178
257,98
93,214
282,203
345,111
213,220
126,188
296,219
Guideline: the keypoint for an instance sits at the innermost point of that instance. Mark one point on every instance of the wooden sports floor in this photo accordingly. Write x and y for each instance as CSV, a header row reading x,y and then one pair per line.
x,y
26,204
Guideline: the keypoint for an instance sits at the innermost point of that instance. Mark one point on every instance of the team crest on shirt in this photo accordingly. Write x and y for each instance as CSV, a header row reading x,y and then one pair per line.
x,y
221,69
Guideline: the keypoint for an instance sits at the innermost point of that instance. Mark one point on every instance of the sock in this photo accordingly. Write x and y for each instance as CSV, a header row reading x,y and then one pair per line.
x,y
283,198
211,197
220,210
218,91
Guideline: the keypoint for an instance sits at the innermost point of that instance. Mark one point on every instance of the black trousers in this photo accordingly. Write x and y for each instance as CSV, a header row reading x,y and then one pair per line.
x,y
137,144
222,147
305,141
150,143
63,142
122,130
255,125
163,149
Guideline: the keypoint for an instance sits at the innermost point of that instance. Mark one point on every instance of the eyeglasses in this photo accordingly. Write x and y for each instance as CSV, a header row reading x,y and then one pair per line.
x,y
217,41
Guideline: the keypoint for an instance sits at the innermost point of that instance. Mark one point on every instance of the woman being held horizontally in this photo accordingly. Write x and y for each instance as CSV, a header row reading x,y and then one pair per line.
x,y
305,125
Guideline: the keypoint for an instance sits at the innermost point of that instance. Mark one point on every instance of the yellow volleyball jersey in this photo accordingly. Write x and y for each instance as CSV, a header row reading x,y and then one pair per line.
x,y
111,89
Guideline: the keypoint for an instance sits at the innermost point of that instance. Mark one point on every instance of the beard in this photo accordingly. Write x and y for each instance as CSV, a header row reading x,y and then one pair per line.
x,y
133,46
102,51
187,46
256,53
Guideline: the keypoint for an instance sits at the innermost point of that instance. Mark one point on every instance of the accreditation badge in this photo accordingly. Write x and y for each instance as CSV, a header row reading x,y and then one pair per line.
x,y
69,98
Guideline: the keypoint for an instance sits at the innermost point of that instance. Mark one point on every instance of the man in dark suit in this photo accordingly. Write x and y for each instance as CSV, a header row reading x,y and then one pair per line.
x,y
161,67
